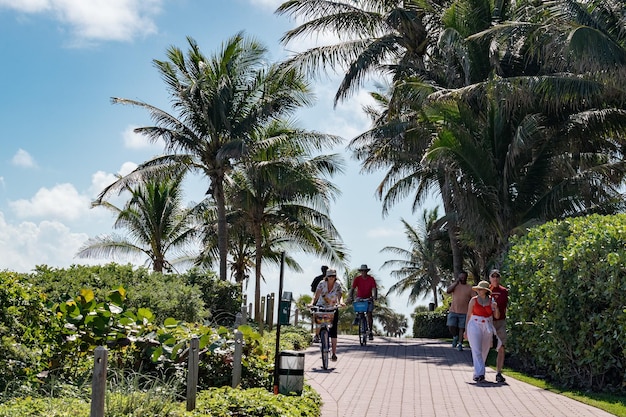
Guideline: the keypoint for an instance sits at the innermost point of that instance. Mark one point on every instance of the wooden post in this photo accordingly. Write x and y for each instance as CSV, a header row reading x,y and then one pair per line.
x,y
99,382
244,316
192,373
270,311
295,317
237,359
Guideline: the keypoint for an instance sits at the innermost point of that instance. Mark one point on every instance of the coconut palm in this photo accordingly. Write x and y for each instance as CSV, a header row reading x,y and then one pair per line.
x,y
219,101
281,195
419,269
527,150
157,225
374,37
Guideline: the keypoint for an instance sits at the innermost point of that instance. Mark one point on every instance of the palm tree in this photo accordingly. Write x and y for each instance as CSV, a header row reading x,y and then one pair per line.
x,y
395,325
419,270
525,154
158,226
280,193
220,101
376,36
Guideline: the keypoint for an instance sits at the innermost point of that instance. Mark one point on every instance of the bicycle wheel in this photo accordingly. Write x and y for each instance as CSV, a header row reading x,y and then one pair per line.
x,y
363,329
324,346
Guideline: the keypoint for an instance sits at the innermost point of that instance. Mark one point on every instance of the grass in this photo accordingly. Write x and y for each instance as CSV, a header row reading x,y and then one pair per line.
x,y
611,403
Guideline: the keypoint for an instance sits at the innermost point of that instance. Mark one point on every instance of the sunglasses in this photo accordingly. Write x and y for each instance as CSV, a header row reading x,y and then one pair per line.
x,y
495,275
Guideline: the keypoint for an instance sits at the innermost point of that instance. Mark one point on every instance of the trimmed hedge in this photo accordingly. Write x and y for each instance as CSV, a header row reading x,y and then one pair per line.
x,y
430,324
566,315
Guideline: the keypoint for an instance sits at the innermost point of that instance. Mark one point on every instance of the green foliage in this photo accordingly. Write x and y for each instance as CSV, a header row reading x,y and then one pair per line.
x,y
45,407
293,338
567,285
191,297
27,333
430,324
223,299
226,402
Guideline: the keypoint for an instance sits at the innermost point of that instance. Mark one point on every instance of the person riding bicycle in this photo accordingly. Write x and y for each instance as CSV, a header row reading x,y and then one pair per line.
x,y
329,294
366,289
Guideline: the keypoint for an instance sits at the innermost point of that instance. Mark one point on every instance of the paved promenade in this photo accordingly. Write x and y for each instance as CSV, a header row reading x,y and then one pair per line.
x,y
423,377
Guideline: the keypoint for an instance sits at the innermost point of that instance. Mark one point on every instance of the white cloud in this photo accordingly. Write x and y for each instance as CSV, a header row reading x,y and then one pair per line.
x,y
23,159
134,140
100,180
96,20
60,202
27,244
381,232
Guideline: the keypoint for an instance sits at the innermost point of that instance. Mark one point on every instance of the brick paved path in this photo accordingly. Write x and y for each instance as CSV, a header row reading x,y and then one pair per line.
x,y
423,377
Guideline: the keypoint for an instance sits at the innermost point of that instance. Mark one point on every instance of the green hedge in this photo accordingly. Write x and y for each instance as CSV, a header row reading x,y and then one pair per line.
x,y
430,324
567,315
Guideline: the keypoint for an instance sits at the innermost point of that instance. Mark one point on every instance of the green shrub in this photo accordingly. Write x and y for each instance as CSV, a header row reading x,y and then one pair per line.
x,y
567,316
28,334
430,324
45,407
191,297
226,402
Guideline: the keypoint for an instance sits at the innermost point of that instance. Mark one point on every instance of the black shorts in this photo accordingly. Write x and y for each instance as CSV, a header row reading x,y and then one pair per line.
x,y
333,330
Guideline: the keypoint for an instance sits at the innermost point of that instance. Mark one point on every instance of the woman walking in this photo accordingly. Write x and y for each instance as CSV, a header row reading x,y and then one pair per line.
x,y
479,327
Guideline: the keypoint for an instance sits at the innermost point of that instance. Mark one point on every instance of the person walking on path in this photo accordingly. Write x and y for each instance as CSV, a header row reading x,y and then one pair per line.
x,y
480,313
501,295
314,285
366,289
329,294
461,294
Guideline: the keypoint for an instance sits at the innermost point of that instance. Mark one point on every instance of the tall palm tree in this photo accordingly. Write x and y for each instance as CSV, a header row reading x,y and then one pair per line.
x,y
374,37
280,190
419,269
529,149
157,225
219,101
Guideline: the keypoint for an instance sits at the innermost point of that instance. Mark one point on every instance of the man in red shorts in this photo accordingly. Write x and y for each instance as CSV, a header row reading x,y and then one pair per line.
x,y
365,286
501,295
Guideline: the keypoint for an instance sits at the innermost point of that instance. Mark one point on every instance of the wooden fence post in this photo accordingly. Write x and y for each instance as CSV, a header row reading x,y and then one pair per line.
x,y
192,373
99,382
237,359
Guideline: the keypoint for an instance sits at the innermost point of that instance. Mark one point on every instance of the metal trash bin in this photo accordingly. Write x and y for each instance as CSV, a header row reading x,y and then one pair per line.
x,y
291,372
284,308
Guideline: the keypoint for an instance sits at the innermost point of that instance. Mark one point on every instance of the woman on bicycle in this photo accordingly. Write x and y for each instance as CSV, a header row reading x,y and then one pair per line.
x,y
329,293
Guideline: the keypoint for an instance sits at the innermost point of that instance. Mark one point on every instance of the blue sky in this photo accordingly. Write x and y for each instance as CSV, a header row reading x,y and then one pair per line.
x,y
62,141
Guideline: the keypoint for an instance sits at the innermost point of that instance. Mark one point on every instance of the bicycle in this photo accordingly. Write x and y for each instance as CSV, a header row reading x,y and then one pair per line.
x,y
361,306
323,318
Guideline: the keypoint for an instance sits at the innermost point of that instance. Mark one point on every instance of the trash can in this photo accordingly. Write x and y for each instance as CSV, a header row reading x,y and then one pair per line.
x,y
291,372
284,308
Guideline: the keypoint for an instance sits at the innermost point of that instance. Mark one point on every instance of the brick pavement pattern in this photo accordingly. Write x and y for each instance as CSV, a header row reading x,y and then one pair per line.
x,y
423,377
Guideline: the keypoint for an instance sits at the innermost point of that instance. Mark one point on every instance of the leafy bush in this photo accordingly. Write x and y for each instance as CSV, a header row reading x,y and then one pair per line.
x,y
226,402
45,407
191,297
28,334
567,284
430,324
223,299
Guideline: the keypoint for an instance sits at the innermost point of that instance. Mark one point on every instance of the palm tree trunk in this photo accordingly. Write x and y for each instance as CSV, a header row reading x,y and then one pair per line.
x,y
448,207
222,227
258,240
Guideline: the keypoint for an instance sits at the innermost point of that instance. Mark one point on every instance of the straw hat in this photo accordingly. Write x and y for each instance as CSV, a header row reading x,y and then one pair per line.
x,y
482,285
331,273
364,268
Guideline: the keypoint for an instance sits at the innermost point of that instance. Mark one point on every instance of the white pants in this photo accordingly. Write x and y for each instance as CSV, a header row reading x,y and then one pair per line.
x,y
480,336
